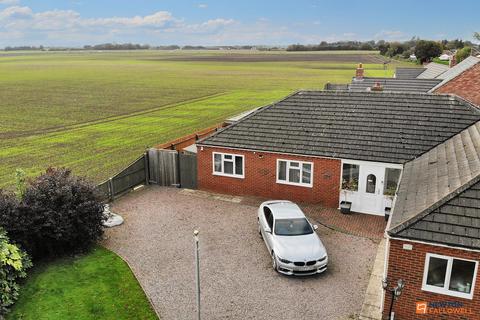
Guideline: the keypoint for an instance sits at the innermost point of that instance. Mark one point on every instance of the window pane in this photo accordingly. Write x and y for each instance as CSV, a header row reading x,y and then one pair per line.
x,y
371,183
391,181
294,164
228,167
350,177
461,278
218,163
294,175
228,156
437,269
238,165
282,170
306,173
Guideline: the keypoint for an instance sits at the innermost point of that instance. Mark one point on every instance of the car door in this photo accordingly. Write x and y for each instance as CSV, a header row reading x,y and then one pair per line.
x,y
267,222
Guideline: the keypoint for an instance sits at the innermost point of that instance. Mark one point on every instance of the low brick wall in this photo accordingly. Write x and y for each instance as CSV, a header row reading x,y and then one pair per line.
x,y
185,141
409,266
260,177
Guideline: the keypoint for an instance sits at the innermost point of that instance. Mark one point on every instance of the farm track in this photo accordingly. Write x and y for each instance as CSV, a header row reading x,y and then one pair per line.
x,y
20,134
291,57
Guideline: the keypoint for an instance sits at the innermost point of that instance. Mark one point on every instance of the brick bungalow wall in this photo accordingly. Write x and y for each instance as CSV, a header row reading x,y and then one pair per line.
x,y
409,266
466,85
260,177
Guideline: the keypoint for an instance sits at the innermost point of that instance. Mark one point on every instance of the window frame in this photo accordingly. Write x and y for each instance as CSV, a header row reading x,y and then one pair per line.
x,y
287,173
222,173
448,274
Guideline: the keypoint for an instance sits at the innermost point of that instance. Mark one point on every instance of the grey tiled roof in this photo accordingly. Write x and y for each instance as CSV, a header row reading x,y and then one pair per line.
x,y
408,73
439,194
372,126
456,71
394,84
433,70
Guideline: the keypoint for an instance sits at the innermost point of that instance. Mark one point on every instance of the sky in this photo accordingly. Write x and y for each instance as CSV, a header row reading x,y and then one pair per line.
x,y
214,22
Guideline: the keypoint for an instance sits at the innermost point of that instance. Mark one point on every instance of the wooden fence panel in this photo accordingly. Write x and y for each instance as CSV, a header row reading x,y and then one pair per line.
x,y
163,167
134,175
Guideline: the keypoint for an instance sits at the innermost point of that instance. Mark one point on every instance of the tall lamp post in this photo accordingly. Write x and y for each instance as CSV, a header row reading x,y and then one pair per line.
x,y
395,292
197,271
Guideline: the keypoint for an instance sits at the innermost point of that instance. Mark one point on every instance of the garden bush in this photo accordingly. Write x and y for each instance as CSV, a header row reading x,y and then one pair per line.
x,y
57,214
13,263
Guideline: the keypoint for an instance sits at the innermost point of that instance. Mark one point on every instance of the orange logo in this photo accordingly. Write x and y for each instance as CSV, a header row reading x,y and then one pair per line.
x,y
421,307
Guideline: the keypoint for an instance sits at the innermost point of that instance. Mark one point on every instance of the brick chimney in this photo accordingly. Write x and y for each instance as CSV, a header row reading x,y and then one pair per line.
x,y
359,73
377,87
453,61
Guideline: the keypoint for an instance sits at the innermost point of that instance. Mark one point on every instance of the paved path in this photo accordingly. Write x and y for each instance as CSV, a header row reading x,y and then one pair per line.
x,y
237,279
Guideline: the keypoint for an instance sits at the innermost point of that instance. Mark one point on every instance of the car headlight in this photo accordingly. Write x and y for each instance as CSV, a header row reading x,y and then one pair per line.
x,y
322,259
284,260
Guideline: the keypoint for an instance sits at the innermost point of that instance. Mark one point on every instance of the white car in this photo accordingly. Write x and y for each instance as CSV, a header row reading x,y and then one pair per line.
x,y
291,239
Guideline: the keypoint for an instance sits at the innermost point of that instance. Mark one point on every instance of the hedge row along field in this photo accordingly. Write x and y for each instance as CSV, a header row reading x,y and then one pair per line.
x,y
97,111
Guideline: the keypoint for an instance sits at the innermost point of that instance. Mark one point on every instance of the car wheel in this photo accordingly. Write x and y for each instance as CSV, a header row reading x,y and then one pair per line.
x,y
274,262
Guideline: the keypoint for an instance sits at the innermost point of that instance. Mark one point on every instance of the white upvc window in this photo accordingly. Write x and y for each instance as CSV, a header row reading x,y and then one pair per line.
x,y
296,173
450,276
230,165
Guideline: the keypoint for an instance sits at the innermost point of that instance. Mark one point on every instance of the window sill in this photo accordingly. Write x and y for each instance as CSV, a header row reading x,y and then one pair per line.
x,y
295,184
448,292
229,175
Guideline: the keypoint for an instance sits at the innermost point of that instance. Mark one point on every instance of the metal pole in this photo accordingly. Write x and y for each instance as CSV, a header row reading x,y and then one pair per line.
x,y
391,306
197,271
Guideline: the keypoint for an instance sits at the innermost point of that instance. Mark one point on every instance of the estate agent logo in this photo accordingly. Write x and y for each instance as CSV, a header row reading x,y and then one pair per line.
x,y
442,307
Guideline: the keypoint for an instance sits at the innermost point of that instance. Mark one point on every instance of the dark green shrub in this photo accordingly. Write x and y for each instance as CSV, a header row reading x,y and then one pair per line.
x,y
426,50
13,263
58,214
462,54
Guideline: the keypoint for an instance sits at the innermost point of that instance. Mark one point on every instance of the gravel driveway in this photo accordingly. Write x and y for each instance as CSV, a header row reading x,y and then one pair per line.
x,y
237,280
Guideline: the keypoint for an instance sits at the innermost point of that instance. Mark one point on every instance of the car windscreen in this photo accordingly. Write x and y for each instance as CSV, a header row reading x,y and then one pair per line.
x,y
292,227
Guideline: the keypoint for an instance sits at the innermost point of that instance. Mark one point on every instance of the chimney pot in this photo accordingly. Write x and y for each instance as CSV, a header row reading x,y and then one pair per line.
x,y
453,61
359,73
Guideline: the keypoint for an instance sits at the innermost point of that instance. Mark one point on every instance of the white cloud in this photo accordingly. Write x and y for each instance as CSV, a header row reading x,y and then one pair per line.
x,y
390,35
202,6
9,2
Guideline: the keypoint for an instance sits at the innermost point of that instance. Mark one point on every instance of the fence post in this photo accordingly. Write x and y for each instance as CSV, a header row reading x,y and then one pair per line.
x,y
147,169
112,191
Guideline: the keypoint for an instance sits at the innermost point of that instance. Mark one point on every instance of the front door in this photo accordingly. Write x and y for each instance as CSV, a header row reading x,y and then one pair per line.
x,y
370,189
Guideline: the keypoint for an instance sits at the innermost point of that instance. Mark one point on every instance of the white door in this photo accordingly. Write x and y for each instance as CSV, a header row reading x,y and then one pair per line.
x,y
370,189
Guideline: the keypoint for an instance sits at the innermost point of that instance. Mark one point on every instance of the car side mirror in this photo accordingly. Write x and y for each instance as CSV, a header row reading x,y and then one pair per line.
x,y
315,227
267,230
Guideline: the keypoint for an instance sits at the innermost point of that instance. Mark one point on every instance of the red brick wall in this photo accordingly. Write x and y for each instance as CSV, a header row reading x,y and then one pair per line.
x,y
260,177
466,85
409,266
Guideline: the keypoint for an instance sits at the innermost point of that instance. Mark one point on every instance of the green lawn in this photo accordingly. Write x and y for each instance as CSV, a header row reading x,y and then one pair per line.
x,y
98,285
95,112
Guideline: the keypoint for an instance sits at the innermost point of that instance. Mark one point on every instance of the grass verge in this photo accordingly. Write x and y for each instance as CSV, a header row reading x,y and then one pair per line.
x,y
98,285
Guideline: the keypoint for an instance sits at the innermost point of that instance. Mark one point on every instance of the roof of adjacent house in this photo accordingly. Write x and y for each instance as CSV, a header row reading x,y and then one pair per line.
x,y
373,126
394,84
456,71
433,70
408,73
438,198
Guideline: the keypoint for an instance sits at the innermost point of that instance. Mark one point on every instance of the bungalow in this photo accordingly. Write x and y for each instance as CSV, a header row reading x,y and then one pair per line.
x,y
434,233
327,147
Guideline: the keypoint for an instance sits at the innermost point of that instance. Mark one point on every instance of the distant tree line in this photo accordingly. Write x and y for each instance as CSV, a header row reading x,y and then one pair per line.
x,y
340,45
117,46
24,48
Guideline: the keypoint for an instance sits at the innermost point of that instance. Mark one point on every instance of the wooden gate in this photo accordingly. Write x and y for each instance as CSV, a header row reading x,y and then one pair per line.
x,y
188,169
163,167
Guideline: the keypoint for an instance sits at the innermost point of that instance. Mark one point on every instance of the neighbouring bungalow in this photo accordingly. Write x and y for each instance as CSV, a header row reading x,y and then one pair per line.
x,y
434,233
330,147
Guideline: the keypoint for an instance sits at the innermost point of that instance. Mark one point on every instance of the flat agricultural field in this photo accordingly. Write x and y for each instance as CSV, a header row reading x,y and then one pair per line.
x,y
97,111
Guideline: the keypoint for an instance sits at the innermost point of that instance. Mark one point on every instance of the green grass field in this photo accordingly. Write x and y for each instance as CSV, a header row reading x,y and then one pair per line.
x,y
98,285
97,111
